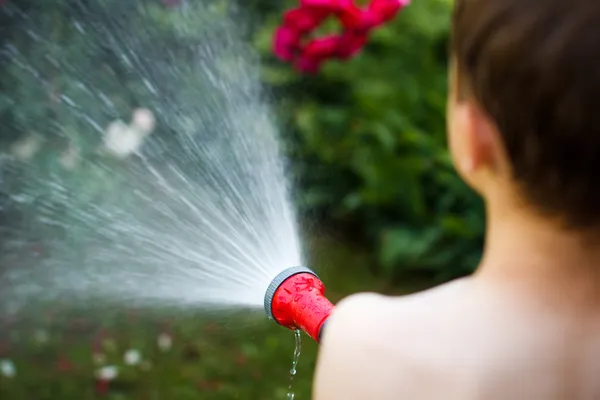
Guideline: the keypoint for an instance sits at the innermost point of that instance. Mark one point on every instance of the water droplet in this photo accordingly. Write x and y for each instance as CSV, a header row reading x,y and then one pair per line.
x,y
297,350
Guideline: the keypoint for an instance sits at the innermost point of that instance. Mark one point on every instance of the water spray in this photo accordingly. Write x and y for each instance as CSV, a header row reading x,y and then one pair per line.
x,y
296,299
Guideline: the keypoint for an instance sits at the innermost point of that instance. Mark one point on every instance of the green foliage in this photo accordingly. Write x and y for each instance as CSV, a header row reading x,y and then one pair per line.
x,y
367,139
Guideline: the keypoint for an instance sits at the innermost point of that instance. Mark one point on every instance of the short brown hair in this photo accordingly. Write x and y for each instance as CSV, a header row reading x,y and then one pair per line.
x,y
534,68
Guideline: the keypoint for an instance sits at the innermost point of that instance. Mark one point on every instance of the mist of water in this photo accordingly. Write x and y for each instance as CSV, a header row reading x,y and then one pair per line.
x,y
143,167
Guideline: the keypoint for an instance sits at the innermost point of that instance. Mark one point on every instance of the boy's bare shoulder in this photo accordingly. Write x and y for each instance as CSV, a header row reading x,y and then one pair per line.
x,y
367,327
367,315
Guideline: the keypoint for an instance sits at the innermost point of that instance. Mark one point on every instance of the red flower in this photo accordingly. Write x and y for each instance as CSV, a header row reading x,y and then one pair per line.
x,y
102,386
387,9
290,44
321,48
286,43
256,375
308,65
241,360
98,341
4,345
304,19
350,44
355,18
330,6
209,386
64,364
212,327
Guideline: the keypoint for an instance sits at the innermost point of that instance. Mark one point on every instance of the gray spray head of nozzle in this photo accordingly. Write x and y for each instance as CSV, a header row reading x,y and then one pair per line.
x,y
277,281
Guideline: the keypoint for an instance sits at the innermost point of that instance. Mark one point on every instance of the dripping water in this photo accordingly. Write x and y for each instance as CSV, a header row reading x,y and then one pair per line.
x,y
297,350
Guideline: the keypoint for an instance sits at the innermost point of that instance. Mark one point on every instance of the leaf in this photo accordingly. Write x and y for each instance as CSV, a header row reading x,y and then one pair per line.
x,y
405,247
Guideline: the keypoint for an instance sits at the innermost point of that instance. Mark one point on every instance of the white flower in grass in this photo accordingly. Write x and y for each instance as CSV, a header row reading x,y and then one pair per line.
x,y
7,369
27,147
143,120
132,357
121,139
107,373
165,342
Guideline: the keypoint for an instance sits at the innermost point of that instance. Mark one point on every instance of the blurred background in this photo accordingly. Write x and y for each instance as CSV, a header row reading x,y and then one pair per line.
x,y
380,206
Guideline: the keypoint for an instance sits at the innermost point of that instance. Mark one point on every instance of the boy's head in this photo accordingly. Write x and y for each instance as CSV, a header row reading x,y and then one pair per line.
x,y
524,105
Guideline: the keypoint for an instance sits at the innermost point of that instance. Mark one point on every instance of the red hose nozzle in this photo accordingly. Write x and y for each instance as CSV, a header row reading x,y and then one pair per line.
x,y
296,299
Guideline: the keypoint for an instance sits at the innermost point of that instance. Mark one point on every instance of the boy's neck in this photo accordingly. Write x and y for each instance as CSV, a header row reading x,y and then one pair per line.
x,y
528,252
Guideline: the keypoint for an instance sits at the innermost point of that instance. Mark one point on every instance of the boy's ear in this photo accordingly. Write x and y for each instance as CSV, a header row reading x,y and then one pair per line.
x,y
480,138
472,136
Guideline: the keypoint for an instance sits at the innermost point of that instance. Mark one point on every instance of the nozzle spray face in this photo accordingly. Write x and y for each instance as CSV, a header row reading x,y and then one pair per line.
x,y
296,299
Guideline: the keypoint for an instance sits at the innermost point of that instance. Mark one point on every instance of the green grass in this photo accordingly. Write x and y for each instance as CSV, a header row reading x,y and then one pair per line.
x,y
242,356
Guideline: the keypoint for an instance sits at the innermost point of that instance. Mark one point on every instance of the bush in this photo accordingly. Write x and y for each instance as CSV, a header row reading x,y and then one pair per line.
x,y
367,139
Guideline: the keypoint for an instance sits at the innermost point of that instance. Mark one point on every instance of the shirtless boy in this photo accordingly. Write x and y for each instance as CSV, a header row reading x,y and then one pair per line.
x,y
524,132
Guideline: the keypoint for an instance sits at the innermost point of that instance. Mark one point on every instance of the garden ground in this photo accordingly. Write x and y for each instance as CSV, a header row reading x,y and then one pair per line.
x,y
135,355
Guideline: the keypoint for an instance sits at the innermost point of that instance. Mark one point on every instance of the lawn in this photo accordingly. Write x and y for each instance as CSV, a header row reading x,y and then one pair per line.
x,y
186,355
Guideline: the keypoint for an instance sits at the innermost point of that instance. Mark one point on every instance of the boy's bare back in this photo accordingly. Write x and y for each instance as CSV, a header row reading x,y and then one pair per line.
x,y
460,341
524,133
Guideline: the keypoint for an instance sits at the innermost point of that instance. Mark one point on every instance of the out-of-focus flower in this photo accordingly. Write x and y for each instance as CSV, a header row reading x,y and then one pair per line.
x,y
212,327
143,120
64,364
102,387
305,19
7,368
292,41
27,147
97,343
349,44
209,385
241,360
256,375
132,357
107,373
329,5
104,376
387,9
165,341
4,348
308,65
122,140
286,43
